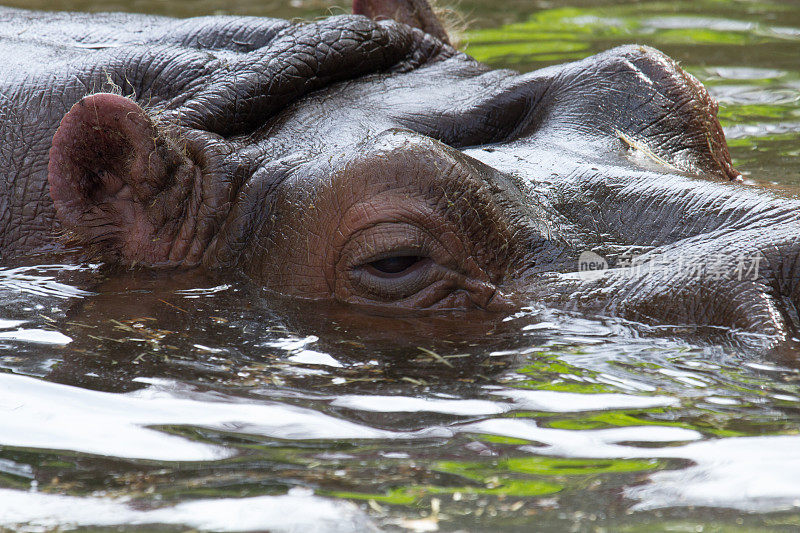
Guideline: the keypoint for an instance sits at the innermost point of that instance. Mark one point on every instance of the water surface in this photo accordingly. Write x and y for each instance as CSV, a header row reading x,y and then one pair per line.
x,y
144,401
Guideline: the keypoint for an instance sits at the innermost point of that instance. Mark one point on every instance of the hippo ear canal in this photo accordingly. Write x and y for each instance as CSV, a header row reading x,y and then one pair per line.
x,y
108,173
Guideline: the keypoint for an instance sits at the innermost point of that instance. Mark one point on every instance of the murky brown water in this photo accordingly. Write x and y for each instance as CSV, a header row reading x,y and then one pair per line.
x,y
138,399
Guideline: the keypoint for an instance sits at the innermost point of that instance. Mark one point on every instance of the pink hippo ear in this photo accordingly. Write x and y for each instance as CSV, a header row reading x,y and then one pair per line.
x,y
118,185
416,13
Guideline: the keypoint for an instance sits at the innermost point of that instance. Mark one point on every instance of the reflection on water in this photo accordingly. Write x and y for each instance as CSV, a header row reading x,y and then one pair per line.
x,y
133,399
186,401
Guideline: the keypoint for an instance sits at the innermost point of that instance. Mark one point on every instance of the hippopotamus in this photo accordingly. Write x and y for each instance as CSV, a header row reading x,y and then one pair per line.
x,y
363,159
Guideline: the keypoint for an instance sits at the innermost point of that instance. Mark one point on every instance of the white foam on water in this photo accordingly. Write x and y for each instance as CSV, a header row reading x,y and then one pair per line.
x,y
292,343
753,474
37,336
611,443
406,404
38,414
203,292
311,357
32,280
520,400
570,402
299,511
746,473
705,23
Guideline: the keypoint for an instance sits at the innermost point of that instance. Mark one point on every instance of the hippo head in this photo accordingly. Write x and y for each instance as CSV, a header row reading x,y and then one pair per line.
x,y
371,163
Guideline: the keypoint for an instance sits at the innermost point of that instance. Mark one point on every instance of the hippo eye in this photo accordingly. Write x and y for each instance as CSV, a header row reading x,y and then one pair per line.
x,y
394,266
394,277
389,262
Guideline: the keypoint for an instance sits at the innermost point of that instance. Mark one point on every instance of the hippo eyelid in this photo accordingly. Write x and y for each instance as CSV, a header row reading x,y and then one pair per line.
x,y
394,266
400,285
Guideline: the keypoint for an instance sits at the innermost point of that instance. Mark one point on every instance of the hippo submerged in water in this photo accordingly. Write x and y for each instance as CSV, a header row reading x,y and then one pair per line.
x,y
365,160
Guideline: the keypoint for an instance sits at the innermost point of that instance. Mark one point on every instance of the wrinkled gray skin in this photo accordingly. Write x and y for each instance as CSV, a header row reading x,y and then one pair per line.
x,y
307,155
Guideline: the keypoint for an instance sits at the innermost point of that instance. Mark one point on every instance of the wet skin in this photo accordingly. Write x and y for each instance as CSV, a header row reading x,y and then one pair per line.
x,y
370,163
